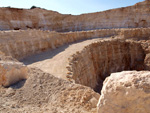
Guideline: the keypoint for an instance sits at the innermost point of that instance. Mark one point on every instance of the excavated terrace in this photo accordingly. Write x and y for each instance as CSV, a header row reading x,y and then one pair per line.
x,y
89,62
63,70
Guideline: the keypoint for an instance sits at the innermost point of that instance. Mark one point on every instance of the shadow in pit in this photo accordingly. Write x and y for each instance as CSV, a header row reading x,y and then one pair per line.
x,y
98,87
43,55
48,54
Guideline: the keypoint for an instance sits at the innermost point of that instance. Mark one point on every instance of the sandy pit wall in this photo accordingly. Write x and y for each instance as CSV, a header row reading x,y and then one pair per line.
x,y
22,43
98,60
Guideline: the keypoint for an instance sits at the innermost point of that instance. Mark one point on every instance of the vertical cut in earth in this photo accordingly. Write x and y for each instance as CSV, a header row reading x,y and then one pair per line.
x,y
98,60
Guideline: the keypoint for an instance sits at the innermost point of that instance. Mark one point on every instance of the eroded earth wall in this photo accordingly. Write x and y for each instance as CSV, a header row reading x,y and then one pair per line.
x,y
22,43
146,47
134,16
97,61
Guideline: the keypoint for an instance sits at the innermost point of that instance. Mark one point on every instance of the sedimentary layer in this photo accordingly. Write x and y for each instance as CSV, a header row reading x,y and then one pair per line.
x,y
98,60
89,62
27,43
134,16
22,43
83,58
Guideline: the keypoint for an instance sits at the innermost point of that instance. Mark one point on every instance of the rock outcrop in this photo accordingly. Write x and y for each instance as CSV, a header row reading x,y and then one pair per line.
x,y
147,61
134,16
146,47
11,71
126,92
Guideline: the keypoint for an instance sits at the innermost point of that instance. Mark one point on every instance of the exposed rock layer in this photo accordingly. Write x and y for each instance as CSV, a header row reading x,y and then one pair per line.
x,y
135,16
146,47
128,92
11,71
32,41
95,62
89,66
20,44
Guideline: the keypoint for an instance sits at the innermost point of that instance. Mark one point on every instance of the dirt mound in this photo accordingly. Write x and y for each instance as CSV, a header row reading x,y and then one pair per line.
x,y
43,92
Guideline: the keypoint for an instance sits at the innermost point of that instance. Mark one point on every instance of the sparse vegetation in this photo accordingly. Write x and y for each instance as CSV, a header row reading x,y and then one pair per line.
x,y
33,7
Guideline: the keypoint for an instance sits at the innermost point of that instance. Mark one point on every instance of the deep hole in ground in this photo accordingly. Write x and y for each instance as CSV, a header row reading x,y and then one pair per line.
x,y
97,61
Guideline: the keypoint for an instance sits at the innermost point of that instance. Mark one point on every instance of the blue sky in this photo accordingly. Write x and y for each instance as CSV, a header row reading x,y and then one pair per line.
x,y
70,6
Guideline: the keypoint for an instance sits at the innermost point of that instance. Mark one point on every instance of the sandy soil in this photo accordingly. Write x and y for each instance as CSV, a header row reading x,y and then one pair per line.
x,y
43,92
56,61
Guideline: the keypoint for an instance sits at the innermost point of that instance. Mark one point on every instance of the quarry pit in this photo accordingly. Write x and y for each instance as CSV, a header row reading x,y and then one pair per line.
x,y
75,64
